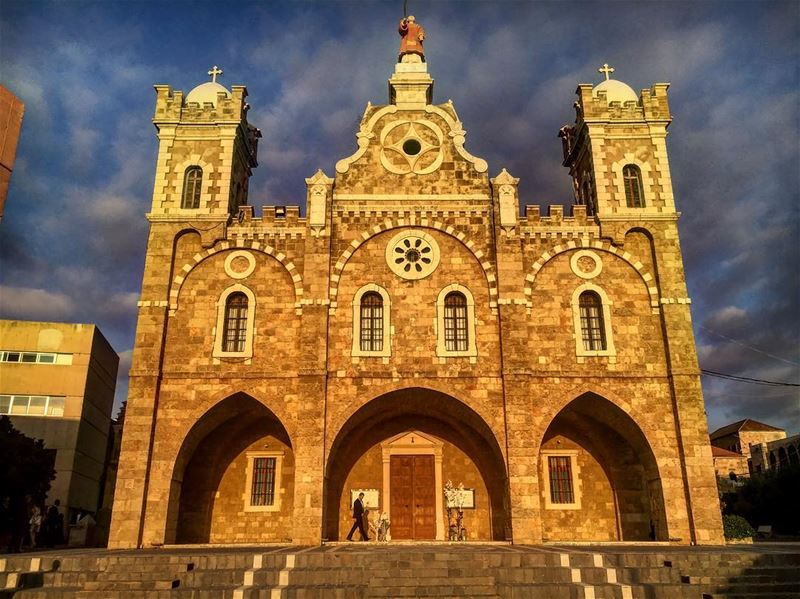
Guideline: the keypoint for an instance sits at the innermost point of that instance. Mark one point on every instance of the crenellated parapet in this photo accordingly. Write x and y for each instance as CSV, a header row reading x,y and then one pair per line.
x,y
604,105
273,219
555,222
172,106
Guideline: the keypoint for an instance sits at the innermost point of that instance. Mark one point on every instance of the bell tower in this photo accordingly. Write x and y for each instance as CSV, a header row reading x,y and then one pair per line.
x,y
206,153
616,151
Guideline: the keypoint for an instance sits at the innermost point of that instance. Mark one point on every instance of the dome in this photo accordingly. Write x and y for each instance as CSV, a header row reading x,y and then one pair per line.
x,y
207,92
616,91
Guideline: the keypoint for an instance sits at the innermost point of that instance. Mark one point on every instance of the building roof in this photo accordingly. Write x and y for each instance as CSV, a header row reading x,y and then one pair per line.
x,y
616,91
718,452
207,92
748,424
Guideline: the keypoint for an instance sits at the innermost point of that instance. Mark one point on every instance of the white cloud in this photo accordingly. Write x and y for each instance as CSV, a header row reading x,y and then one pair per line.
x,y
26,303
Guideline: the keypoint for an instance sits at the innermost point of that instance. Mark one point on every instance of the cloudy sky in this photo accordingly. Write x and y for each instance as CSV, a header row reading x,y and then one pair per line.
x,y
73,237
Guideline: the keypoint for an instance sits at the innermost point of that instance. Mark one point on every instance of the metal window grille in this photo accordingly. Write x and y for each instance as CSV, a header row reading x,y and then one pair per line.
x,y
263,489
192,182
560,468
592,326
456,336
632,177
371,322
235,330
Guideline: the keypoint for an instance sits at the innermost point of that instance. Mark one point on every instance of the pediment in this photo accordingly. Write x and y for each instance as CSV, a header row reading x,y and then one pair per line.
x,y
435,132
412,439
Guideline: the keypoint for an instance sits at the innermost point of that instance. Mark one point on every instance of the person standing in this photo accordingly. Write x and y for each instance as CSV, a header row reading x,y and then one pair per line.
x,y
35,524
54,525
358,519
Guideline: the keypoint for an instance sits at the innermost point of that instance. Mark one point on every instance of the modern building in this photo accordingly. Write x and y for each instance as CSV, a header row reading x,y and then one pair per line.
x,y
11,111
773,455
410,328
57,383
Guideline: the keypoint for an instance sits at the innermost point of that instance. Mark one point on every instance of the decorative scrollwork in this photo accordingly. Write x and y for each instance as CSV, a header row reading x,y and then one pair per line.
x,y
411,147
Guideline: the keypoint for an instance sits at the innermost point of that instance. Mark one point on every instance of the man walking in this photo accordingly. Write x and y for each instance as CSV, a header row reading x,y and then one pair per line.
x,y
358,518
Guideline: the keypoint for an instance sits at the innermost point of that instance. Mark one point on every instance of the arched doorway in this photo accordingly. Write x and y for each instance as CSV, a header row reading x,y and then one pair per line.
x,y
405,445
599,477
233,480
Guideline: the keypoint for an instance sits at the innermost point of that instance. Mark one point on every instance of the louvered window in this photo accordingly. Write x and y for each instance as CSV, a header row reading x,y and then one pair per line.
x,y
632,177
192,182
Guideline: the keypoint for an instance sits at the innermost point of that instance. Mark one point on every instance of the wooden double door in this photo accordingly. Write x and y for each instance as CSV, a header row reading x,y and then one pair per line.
x,y
413,497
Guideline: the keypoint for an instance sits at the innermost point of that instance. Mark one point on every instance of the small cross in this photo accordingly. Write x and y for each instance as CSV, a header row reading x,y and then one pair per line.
x,y
606,70
218,71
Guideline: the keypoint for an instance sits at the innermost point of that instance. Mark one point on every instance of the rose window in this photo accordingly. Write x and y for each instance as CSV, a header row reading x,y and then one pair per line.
x,y
412,255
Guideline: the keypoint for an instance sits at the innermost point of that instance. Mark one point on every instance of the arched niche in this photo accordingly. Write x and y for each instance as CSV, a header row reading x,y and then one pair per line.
x,y
616,486
212,477
438,417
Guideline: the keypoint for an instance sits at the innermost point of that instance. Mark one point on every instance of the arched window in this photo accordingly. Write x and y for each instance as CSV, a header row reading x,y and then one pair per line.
x,y
772,460
235,330
783,459
593,329
634,193
371,316
456,335
192,182
792,455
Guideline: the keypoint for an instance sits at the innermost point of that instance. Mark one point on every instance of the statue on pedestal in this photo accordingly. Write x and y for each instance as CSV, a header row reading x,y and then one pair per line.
x,y
412,35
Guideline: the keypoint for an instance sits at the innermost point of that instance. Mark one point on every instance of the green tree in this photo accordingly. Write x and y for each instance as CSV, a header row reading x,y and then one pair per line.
x,y
768,498
25,471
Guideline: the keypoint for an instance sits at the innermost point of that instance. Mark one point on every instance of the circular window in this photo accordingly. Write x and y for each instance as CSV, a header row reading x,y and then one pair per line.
x,y
586,264
412,147
240,264
412,255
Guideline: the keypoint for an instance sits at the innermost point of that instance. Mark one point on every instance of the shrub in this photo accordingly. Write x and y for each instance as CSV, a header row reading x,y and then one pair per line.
x,y
736,527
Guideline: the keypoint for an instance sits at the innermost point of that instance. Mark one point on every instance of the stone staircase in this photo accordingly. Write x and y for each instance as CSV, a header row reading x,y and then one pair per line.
x,y
371,571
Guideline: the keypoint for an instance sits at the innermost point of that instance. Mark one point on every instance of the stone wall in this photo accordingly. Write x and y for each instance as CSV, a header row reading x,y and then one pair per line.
x,y
632,410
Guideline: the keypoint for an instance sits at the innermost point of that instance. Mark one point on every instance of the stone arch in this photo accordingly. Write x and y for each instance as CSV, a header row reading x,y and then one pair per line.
x,y
603,246
783,458
429,412
388,224
616,478
216,439
631,239
256,246
792,453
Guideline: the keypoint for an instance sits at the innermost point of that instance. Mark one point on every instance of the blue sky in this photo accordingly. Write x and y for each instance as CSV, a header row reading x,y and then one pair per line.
x,y
73,237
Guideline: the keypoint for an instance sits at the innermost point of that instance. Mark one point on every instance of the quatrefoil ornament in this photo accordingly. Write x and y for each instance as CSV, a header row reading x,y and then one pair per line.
x,y
412,255
411,147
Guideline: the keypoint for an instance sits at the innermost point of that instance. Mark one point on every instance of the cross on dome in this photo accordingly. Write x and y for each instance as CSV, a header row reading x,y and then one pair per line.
x,y
606,70
218,71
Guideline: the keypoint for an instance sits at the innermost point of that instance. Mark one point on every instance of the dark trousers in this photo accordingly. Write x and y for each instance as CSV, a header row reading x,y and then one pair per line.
x,y
359,524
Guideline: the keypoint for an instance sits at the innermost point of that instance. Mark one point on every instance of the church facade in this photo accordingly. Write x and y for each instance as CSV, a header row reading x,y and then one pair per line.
x,y
410,329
